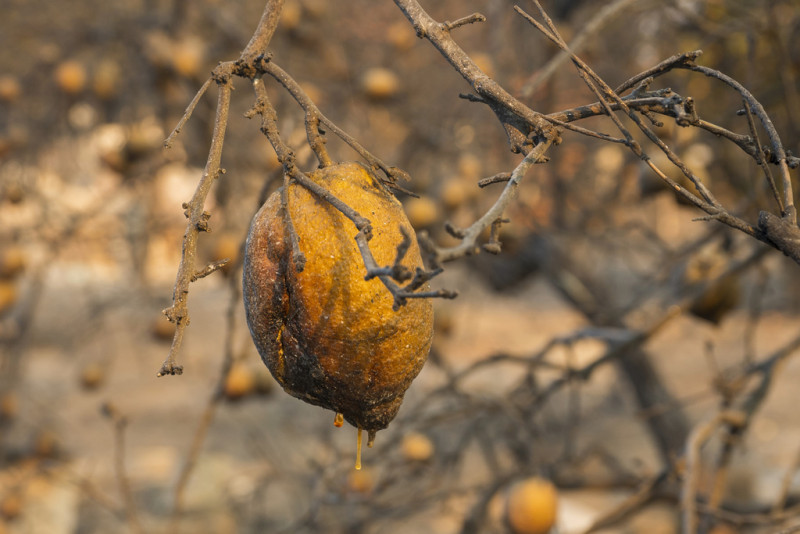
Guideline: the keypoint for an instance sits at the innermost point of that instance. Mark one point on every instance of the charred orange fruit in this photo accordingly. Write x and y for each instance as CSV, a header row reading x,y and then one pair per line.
x,y
328,336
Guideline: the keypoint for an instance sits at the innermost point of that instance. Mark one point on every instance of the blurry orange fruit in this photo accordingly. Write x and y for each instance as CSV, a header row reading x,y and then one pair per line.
x,y
46,444
240,382
12,262
422,211
9,406
92,376
8,295
71,77
106,79
417,447
226,246
532,506
361,481
380,83
162,329
455,192
11,506
188,56
401,35
10,88
291,14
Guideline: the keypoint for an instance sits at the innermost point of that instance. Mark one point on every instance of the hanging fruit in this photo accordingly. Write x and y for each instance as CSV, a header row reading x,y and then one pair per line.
x,y
327,335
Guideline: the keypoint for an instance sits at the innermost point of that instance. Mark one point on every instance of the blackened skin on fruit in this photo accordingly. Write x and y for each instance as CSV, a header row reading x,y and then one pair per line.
x,y
328,336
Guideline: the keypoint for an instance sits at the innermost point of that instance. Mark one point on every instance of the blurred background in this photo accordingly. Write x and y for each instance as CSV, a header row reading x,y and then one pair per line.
x,y
611,326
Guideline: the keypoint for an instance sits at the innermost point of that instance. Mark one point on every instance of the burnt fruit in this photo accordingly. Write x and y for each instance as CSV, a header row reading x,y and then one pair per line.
x,y
327,335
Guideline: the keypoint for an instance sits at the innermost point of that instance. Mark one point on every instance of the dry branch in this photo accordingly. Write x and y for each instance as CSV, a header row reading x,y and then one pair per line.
x,y
469,236
781,233
120,423
521,123
178,313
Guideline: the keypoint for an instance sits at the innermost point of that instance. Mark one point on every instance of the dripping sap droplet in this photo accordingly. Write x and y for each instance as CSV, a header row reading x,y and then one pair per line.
x,y
371,438
358,449
338,420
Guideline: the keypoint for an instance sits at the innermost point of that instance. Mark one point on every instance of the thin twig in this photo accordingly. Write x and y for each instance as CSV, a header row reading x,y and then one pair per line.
x,y
463,21
708,203
691,479
519,121
759,157
613,353
120,423
178,313
664,102
779,154
209,269
585,131
498,178
269,128
187,114
298,258
257,46
605,15
686,58
207,417
469,241
393,174
786,484
631,504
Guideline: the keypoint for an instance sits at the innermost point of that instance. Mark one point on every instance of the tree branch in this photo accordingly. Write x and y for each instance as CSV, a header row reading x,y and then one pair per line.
x,y
178,313
520,122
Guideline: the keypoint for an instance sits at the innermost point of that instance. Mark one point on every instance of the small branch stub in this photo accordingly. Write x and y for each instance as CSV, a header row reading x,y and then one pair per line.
x,y
470,19
170,369
210,268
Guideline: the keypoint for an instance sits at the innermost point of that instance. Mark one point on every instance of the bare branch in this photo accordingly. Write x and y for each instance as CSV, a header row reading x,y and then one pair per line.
x,y
780,233
393,174
262,36
178,313
790,213
120,423
498,178
642,496
699,436
759,157
708,203
469,241
520,122
298,258
605,15
385,275
676,61
470,19
207,416
187,114
210,268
